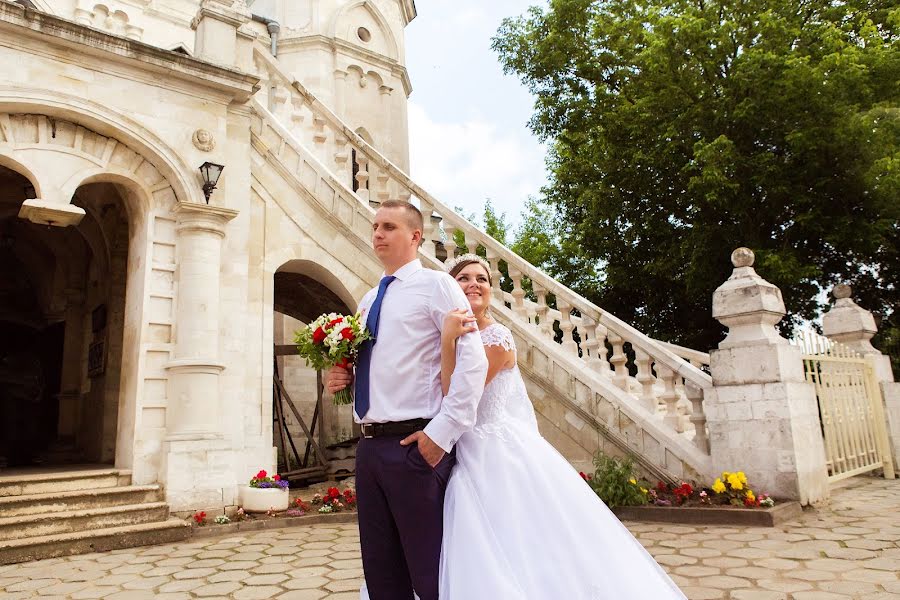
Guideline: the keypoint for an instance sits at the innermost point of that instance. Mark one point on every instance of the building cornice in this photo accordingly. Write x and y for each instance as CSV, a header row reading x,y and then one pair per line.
x,y
16,20
334,45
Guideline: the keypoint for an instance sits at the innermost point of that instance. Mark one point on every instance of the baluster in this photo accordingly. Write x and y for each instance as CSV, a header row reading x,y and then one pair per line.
x,y
450,242
518,294
405,194
435,231
362,175
494,260
566,325
428,245
618,360
602,365
320,136
588,339
383,179
698,417
646,379
471,243
342,155
669,397
280,97
542,310
297,116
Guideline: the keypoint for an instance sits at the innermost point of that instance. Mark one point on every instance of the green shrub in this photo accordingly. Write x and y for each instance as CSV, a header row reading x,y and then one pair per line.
x,y
615,482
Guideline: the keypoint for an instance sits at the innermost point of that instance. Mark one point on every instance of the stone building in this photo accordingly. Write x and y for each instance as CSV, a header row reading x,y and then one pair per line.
x,y
139,316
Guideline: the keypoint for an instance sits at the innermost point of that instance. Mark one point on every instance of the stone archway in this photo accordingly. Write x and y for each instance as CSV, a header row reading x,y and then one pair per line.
x,y
113,284
303,290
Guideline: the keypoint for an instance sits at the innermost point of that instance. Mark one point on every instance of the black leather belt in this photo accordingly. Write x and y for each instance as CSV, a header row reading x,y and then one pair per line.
x,y
374,430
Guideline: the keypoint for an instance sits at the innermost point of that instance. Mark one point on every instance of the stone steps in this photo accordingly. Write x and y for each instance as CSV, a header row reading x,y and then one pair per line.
x,y
98,540
35,504
80,509
56,523
65,481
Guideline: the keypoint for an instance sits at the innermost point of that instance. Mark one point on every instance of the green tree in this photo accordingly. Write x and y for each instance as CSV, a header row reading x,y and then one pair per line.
x,y
683,129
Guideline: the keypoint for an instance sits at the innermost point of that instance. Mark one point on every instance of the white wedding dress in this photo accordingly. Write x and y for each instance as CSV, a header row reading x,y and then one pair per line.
x,y
521,524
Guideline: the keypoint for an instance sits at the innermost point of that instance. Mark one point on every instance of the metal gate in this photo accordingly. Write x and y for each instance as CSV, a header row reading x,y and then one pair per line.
x,y
850,408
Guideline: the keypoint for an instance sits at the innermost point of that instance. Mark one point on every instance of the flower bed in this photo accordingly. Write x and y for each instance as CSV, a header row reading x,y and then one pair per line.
x,y
334,506
729,500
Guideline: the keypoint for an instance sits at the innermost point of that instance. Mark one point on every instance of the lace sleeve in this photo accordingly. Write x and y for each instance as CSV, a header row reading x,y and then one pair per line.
x,y
498,335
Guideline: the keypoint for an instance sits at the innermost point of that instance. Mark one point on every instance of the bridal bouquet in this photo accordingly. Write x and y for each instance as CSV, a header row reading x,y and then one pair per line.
x,y
332,340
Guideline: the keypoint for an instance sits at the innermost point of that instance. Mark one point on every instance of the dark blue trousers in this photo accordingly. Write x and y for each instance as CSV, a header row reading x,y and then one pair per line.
x,y
400,499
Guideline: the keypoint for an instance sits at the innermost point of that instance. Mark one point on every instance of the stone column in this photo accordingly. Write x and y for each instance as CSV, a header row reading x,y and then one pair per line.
x,y
762,414
854,326
196,453
216,36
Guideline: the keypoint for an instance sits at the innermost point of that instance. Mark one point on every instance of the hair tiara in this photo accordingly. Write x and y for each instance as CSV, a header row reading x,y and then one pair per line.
x,y
451,263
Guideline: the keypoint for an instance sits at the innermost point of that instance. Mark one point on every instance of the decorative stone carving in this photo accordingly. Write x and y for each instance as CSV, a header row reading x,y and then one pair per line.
x,y
203,140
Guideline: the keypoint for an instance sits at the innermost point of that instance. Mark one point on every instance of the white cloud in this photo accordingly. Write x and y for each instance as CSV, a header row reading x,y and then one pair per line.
x,y
464,163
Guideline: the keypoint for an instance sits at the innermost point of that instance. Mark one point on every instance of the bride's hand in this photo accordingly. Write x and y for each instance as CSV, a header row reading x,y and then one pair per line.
x,y
458,322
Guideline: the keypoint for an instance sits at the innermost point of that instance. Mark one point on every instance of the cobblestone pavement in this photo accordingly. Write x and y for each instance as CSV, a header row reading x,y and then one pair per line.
x,y
849,549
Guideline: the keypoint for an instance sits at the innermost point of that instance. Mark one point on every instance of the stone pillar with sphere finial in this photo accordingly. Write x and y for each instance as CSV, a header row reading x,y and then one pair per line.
x,y
853,326
762,415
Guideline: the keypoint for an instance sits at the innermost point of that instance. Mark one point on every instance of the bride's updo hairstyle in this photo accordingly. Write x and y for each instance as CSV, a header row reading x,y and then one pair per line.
x,y
455,265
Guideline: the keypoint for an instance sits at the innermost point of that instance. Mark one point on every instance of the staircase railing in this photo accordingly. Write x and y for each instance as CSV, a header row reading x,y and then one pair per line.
x,y
657,377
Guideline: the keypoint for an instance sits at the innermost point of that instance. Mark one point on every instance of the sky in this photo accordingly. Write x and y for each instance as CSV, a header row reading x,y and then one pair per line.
x,y
469,139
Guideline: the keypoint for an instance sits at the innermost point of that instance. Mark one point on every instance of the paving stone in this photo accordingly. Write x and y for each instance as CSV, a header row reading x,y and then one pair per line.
x,y
216,589
825,555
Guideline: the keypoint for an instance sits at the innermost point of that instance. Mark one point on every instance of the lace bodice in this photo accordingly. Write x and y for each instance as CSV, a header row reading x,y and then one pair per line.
x,y
505,400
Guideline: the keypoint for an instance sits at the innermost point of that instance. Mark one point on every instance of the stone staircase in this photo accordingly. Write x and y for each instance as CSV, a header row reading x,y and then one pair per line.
x,y
45,515
604,385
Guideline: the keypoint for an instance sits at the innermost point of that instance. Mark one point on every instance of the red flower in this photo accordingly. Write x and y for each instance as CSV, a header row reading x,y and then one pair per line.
x,y
335,322
344,363
661,487
319,335
276,477
347,334
261,475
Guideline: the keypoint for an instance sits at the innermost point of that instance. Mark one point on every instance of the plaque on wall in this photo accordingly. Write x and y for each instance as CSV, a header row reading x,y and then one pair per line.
x,y
96,359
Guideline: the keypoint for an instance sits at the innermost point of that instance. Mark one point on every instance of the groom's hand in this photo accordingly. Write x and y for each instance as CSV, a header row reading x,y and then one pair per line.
x,y
337,379
431,452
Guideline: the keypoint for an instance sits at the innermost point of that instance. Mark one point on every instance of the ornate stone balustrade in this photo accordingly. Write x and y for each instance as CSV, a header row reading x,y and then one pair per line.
x,y
655,390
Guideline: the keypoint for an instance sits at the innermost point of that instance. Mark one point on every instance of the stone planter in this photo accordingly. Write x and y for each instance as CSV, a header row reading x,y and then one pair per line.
x,y
717,515
262,499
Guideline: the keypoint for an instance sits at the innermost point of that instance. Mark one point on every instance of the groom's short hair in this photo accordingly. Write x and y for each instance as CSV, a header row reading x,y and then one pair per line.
x,y
413,215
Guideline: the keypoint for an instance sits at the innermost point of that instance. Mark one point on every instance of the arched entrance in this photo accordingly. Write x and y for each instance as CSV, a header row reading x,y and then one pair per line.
x,y
89,223
62,302
303,291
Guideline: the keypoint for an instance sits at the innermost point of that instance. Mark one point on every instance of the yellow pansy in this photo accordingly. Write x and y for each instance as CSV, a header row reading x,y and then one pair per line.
x,y
718,487
725,475
734,481
643,490
742,477
750,496
632,481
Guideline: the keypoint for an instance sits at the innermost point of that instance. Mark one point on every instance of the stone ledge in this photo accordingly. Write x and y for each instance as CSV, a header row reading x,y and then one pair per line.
x,y
724,515
277,523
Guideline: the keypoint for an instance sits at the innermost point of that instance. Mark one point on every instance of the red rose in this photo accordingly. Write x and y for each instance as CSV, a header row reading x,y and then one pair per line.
x,y
318,336
276,477
261,475
347,334
344,363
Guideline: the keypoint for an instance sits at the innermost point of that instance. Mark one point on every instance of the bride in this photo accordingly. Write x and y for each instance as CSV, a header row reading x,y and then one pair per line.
x,y
519,522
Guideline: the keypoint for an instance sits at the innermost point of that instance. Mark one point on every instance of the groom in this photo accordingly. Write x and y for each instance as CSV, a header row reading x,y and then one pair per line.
x,y
405,453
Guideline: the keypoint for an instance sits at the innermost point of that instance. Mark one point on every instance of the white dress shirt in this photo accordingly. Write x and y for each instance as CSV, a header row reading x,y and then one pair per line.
x,y
405,372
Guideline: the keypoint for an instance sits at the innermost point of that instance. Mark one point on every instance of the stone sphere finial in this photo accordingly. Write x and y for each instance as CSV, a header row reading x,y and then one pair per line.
x,y
742,257
841,291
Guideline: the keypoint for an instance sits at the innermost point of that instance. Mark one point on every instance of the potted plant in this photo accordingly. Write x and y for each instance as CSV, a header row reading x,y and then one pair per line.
x,y
264,493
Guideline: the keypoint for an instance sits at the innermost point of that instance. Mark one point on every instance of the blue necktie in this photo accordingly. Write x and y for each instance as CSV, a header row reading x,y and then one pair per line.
x,y
364,361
